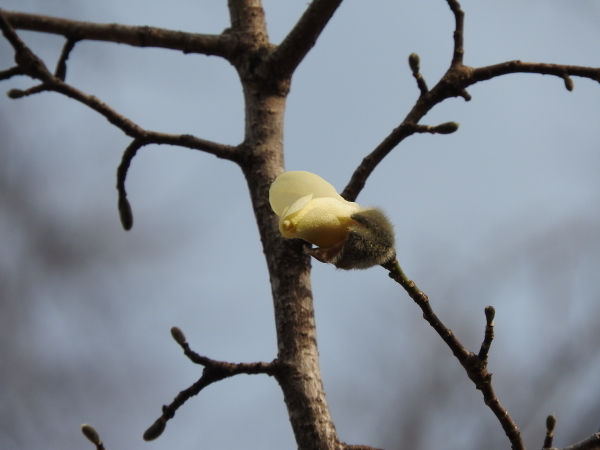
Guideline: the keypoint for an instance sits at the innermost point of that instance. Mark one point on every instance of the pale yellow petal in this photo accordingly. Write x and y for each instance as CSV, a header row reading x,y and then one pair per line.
x,y
320,227
291,186
322,221
297,205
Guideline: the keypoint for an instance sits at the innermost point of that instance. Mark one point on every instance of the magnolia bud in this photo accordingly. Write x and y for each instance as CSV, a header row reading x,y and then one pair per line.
x,y
15,93
370,242
446,128
490,313
178,336
414,62
569,83
90,433
155,430
125,213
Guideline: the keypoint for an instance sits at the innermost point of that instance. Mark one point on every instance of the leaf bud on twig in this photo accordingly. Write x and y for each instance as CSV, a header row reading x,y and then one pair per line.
x,y
550,422
125,213
91,434
414,62
568,83
15,93
490,313
155,430
178,336
446,128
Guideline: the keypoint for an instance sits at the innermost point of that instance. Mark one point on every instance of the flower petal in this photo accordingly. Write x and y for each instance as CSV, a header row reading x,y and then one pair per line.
x,y
322,221
292,186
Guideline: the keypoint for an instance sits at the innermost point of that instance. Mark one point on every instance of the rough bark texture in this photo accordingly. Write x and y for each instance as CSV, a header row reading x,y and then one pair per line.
x,y
289,266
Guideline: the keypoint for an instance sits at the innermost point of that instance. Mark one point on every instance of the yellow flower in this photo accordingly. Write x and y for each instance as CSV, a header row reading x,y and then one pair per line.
x,y
309,208
348,236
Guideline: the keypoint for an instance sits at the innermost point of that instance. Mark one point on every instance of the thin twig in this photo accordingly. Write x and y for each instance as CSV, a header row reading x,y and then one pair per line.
x,y
138,36
459,16
124,207
475,367
34,67
591,443
421,84
550,424
29,63
9,73
414,63
61,65
516,66
213,371
489,333
18,93
296,45
454,84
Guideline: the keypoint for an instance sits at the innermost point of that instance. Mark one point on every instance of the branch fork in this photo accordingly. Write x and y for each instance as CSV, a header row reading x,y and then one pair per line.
x,y
213,371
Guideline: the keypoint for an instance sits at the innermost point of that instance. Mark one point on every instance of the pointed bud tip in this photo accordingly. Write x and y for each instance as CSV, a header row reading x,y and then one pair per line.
x,y
125,213
569,83
178,336
414,62
490,313
15,93
90,433
155,430
550,422
446,128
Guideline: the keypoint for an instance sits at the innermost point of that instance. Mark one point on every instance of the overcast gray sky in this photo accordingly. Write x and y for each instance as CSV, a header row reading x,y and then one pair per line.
x,y
502,212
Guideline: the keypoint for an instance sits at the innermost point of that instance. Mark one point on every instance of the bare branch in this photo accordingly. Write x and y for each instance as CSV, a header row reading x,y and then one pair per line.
x,y
18,93
137,36
213,371
132,129
372,160
125,212
9,73
559,70
152,137
490,312
415,66
34,67
61,65
453,84
303,36
459,15
28,62
475,366
591,443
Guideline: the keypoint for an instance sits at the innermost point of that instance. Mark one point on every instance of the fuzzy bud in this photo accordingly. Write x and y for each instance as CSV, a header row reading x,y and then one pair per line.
x,y
569,83
15,93
446,128
347,236
125,213
178,336
91,434
414,62
155,430
490,313
550,423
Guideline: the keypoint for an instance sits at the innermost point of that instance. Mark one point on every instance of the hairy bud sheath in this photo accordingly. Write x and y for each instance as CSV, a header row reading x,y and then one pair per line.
x,y
347,236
